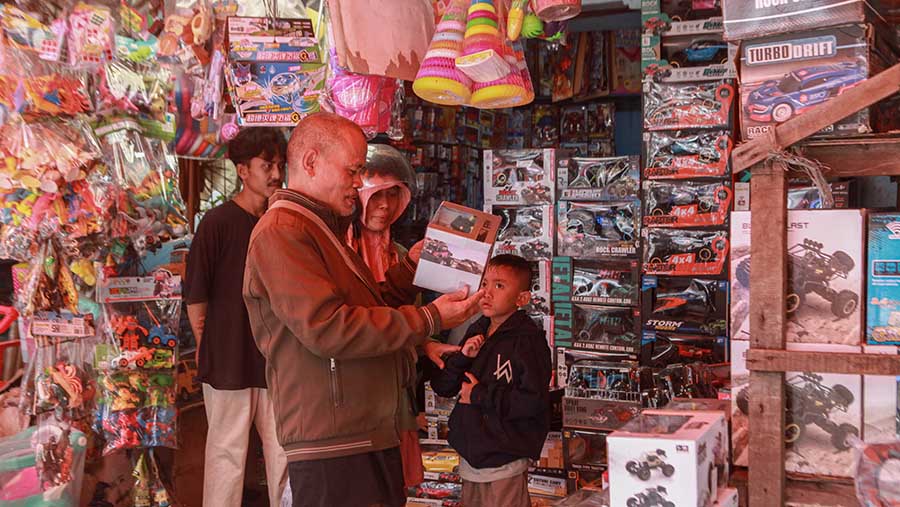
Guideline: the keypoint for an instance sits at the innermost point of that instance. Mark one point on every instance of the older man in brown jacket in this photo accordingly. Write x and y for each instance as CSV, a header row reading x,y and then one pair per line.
x,y
333,338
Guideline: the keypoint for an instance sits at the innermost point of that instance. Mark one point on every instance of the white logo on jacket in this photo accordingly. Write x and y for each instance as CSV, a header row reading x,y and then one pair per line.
x,y
503,370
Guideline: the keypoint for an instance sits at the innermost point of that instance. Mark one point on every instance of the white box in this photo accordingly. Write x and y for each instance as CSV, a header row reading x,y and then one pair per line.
x,y
519,176
525,230
825,250
728,497
880,405
815,433
665,459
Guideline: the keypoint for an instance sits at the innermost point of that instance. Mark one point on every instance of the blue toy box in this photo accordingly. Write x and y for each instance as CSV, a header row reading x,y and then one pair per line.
x,y
883,280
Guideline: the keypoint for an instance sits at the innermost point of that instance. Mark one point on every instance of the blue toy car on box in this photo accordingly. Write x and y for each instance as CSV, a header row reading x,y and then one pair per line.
x,y
701,52
780,100
883,280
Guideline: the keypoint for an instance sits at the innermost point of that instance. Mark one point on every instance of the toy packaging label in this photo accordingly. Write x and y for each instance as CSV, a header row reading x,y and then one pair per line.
x,y
661,349
686,154
825,276
691,51
685,305
685,253
519,176
823,411
546,484
669,106
787,75
161,285
686,204
883,280
457,247
591,230
598,179
584,450
551,460
600,328
880,403
275,94
62,325
271,40
747,19
667,458
626,61
525,230
605,283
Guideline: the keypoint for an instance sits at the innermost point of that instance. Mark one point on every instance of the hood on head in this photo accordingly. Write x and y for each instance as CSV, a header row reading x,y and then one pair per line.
x,y
386,167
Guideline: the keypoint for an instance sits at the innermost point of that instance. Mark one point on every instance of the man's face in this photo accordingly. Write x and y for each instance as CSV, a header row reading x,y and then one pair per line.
x,y
503,293
337,173
262,177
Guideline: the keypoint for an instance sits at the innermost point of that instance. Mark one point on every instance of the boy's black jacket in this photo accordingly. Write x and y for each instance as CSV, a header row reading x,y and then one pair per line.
x,y
509,416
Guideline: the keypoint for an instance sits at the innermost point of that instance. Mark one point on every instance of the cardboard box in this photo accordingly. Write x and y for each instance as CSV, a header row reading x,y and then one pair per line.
x,y
681,155
600,394
686,203
673,105
551,460
271,40
721,450
592,230
610,283
684,253
626,61
525,230
825,254
437,405
438,429
457,247
694,50
547,484
661,349
823,410
440,463
685,305
784,76
519,176
803,196
598,179
585,450
567,358
883,279
666,457
880,401
748,19
601,328
588,480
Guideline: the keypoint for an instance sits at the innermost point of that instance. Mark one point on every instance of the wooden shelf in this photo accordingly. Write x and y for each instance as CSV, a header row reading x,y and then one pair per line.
x,y
773,360
807,492
880,154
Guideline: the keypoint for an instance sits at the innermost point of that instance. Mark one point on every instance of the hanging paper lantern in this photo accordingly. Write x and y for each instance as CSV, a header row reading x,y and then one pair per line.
x,y
557,10
438,79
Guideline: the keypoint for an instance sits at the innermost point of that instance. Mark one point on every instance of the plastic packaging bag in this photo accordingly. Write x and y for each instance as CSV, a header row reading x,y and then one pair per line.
x,y
91,36
35,462
877,473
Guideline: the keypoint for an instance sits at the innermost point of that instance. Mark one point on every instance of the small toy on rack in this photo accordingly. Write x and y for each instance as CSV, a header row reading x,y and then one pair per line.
x,y
519,176
686,204
679,155
601,179
596,230
683,252
606,283
687,105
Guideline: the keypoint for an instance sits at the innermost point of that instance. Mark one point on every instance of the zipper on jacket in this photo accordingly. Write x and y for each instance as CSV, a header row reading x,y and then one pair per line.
x,y
335,386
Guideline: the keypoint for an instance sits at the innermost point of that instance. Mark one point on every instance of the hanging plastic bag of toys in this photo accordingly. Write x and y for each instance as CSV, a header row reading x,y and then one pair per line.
x,y
59,456
91,35
149,490
186,33
205,137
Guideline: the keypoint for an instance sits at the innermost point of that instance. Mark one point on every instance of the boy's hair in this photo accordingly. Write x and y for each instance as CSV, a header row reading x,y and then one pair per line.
x,y
265,143
518,265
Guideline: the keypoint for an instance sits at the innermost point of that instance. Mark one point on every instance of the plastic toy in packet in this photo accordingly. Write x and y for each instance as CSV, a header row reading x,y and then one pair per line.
x,y
686,204
91,35
185,34
35,87
680,252
28,34
148,490
690,105
679,155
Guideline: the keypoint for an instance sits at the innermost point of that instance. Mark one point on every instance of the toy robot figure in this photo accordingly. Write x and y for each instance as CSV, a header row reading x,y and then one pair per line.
x,y
649,462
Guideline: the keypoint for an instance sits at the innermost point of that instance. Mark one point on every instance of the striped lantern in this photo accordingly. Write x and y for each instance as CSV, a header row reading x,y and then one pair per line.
x,y
438,79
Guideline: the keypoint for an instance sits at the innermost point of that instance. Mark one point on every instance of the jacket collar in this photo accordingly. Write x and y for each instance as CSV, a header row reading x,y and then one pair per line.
x,y
336,223
516,322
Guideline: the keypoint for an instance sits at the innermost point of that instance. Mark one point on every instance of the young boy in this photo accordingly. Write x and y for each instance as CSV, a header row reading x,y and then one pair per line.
x,y
501,375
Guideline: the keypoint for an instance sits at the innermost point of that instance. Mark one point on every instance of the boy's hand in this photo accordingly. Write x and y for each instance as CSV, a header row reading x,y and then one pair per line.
x,y
465,393
434,350
472,346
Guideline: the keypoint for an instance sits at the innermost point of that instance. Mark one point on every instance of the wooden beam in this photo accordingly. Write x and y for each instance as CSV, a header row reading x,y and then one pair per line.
x,y
843,156
768,283
865,94
834,491
822,362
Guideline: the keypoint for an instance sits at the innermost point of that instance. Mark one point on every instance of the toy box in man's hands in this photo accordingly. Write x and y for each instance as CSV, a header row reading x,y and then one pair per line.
x,y
666,459
457,247
594,230
605,282
525,230
748,19
598,179
883,280
601,328
825,276
685,305
786,75
519,176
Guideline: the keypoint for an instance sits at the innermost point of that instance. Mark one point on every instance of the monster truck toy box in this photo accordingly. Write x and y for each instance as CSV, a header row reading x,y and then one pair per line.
x,y
784,76
519,176
685,305
883,280
665,459
825,276
525,230
747,19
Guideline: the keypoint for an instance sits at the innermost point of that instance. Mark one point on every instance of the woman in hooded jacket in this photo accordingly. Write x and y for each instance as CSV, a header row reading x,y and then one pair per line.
x,y
388,185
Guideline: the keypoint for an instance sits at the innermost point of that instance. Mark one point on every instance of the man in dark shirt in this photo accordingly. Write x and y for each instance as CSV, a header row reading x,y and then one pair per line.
x,y
230,366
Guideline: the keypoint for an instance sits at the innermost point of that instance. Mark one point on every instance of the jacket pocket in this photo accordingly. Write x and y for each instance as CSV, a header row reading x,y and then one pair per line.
x,y
336,394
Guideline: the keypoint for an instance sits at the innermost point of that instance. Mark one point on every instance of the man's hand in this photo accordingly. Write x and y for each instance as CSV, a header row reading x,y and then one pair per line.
x,y
455,308
434,350
465,393
472,346
416,251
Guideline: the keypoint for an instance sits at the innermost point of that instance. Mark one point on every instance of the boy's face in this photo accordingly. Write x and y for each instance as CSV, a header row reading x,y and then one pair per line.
x,y
503,292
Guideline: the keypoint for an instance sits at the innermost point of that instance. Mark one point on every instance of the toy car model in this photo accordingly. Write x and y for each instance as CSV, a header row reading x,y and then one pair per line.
x,y
441,461
685,252
651,497
809,401
697,299
686,204
676,105
438,490
133,358
610,223
650,461
810,270
681,155
159,336
611,175
508,170
599,287
437,251
701,52
796,91
519,222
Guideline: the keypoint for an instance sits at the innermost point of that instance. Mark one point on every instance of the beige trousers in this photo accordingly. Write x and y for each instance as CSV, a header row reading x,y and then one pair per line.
x,y
231,414
512,492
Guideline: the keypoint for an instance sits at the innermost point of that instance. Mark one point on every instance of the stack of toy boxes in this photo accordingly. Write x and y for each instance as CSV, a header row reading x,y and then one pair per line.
x,y
796,55
824,292
668,458
275,73
882,325
442,485
519,187
687,195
